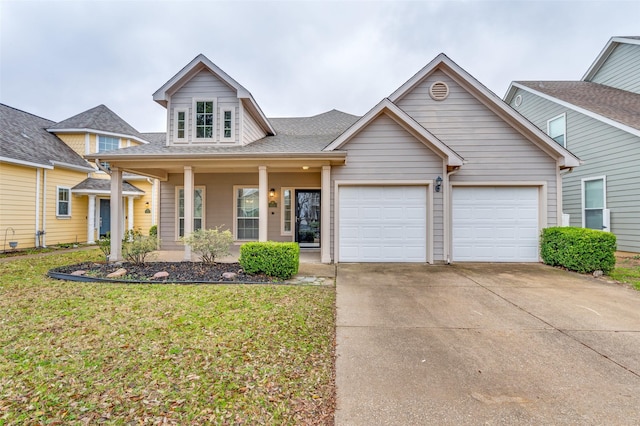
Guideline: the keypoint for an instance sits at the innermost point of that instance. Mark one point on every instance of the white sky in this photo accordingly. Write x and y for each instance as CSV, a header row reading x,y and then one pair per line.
x,y
60,58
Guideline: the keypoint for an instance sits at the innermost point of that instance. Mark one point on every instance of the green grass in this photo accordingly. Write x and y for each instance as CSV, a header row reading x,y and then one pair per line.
x,y
627,271
77,353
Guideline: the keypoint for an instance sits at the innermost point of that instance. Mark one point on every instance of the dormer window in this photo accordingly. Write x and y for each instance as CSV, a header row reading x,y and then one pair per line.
x,y
204,122
227,131
107,143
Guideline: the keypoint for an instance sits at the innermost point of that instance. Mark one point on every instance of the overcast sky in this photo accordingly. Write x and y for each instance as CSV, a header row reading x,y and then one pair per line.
x,y
59,58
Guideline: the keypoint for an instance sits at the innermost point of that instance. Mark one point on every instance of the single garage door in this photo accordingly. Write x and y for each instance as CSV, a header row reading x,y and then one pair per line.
x,y
495,224
382,224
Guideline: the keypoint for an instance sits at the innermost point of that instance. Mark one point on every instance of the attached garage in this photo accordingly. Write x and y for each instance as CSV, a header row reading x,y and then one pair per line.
x,y
495,224
382,224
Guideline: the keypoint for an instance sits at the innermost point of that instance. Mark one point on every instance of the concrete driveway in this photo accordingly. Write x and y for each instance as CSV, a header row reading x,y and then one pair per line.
x,y
484,344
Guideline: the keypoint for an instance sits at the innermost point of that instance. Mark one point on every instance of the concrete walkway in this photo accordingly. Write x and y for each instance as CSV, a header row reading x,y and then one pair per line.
x,y
484,344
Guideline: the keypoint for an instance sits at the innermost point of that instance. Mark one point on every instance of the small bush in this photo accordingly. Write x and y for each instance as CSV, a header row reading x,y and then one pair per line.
x,y
153,231
578,249
210,243
280,260
136,247
104,243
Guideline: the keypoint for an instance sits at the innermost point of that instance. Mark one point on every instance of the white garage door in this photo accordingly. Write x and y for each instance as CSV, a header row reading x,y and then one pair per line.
x,y
495,224
383,224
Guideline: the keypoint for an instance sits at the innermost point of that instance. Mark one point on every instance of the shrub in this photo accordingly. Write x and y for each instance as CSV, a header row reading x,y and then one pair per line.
x,y
210,243
578,249
280,260
104,243
136,247
153,231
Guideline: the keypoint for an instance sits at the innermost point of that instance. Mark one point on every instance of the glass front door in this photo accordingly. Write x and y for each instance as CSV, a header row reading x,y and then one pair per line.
x,y
308,217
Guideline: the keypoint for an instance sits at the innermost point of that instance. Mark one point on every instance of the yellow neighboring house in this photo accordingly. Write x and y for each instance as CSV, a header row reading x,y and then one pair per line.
x,y
49,194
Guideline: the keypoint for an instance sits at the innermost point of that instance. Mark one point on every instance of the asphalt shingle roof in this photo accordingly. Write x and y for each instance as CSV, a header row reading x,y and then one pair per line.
x,y
24,137
298,135
99,118
615,104
93,184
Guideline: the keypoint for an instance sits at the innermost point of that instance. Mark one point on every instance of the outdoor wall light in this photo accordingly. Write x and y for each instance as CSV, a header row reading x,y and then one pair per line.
x,y
305,167
272,192
438,184
147,210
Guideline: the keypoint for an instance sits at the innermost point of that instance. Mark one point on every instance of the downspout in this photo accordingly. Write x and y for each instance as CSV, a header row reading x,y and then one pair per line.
x,y
101,167
559,202
447,216
44,208
37,208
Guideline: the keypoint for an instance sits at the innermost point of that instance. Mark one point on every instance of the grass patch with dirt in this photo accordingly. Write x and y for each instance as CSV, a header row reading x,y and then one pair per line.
x,y
627,270
87,353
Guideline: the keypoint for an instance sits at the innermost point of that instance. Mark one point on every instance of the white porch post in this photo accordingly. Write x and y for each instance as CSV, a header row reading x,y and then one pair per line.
x,y
263,210
129,213
188,208
91,220
325,215
116,215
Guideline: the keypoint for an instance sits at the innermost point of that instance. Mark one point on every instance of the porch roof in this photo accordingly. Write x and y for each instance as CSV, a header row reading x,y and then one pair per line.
x,y
103,186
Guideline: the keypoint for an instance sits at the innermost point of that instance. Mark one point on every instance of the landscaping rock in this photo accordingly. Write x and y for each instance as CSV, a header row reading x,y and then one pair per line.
x,y
117,274
229,275
79,272
161,274
597,274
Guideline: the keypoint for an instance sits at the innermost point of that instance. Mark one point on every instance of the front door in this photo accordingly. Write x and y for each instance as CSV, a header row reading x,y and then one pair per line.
x,y
105,217
308,217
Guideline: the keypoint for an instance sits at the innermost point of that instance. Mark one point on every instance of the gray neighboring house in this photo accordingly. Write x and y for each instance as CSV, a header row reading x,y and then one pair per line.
x,y
598,119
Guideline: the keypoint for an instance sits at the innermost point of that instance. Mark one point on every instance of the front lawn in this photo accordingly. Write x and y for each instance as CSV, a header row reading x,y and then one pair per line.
x,y
627,270
87,353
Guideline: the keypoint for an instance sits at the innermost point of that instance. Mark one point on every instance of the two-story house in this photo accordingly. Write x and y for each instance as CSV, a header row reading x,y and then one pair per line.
x,y
440,170
598,119
49,194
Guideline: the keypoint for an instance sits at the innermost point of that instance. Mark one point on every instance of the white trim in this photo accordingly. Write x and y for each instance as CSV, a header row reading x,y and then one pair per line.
x,y
186,125
283,232
58,214
603,178
25,163
177,189
194,122
98,132
235,209
104,192
87,143
557,117
604,55
428,184
232,110
98,135
581,110
73,167
241,140
407,122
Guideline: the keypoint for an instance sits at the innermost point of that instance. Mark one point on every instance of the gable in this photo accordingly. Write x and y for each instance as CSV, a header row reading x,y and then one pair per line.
x,y
202,84
620,69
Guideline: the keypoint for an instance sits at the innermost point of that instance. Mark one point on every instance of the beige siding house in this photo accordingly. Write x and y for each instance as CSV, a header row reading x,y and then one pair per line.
x,y
440,171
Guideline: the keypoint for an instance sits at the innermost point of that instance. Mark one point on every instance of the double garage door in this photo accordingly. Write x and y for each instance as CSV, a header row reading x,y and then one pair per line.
x,y
389,224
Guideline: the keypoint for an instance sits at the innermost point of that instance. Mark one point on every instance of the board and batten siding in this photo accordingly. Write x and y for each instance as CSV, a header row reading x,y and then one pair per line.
x,y
493,150
203,85
621,69
384,151
606,151
18,204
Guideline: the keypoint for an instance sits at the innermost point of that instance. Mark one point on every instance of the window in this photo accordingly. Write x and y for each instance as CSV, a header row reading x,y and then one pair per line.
x,y
287,195
594,203
247,213
107,143
198,209
204,119
557,129
180,124
63,202
228,124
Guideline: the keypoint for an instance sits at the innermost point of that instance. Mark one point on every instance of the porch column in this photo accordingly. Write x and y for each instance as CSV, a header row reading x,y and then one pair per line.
x,y
116,215
263,205
91,220
130,213
325,215
188,208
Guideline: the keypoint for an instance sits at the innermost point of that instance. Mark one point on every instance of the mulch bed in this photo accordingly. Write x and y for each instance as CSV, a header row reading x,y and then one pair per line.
x,y
179,272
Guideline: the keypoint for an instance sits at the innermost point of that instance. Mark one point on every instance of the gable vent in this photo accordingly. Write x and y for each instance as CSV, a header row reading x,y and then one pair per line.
x,y
439,91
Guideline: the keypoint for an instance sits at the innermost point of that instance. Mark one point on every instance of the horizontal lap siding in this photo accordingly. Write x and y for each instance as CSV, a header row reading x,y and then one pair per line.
x,y
202,85
606,151
621,69
17,204
251,130
66,230
142,220
492,149
385,151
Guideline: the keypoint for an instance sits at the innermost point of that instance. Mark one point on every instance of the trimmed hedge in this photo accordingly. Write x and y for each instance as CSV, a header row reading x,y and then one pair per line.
x,y
280,260
578,249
